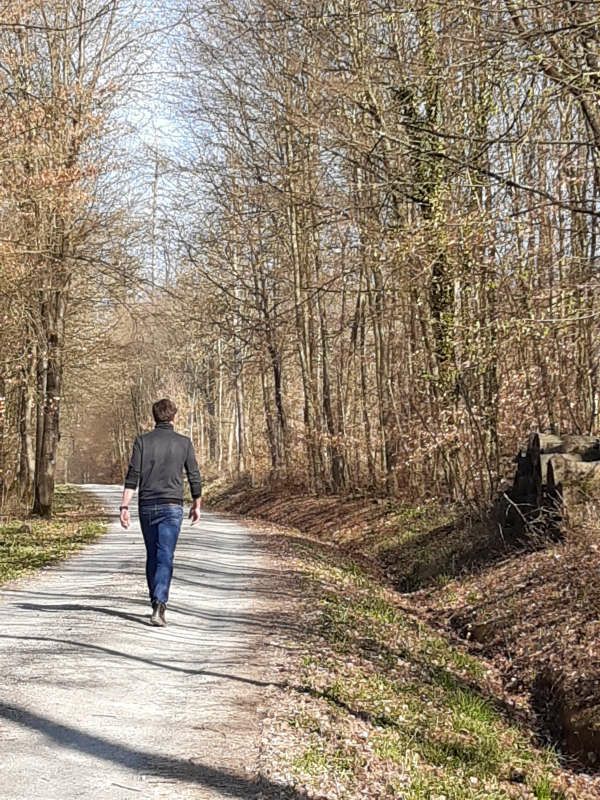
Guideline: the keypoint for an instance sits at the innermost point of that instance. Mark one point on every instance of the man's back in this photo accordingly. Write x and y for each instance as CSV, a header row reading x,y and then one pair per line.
x,y
157,463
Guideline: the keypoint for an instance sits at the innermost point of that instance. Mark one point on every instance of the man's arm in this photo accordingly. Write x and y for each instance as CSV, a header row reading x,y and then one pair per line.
x,y
131,481
194,479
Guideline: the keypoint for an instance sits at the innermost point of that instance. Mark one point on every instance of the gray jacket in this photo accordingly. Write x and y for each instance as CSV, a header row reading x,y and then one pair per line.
x,y
157,464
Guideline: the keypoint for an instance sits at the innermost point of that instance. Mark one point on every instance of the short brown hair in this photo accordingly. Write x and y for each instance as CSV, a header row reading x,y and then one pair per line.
x,y
164,410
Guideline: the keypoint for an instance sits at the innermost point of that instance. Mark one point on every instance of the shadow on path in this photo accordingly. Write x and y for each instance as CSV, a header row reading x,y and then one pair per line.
x,y
326,694
142,619
228,783
243,620
161,665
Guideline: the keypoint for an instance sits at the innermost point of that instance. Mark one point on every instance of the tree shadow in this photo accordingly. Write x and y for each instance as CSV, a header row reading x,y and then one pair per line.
x,y
229,784
141,619
211,617
325,694
418,561
95,648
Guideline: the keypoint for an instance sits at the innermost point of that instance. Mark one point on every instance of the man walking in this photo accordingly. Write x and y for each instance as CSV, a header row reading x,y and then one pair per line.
x,y
157,463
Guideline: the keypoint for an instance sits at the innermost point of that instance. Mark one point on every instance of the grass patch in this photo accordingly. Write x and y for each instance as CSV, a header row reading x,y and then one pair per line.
x,y
318,760
532,612
390,708
27,544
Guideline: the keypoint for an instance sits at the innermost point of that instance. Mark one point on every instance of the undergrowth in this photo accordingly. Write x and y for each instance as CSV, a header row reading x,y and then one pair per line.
x,y
27,544
385,707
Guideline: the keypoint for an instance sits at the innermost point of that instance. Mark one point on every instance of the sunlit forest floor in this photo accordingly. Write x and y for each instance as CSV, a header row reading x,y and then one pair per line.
x,y
400,698
26,543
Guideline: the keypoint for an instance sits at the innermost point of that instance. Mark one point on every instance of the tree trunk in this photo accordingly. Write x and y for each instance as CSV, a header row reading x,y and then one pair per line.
x,y
26,445
269,423
2,429
240,432
53,322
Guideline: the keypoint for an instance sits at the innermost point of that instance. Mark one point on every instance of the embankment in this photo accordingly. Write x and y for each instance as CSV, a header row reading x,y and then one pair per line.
x,y
532,608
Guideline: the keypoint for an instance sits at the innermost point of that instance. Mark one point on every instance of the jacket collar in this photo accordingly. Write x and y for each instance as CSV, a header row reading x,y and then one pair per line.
x,y
167,425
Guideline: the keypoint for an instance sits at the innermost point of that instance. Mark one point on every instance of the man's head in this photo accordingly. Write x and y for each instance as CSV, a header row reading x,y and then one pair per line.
x,y
164,410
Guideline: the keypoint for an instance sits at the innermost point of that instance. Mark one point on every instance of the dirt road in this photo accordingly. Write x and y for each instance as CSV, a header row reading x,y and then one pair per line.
x,y
96,703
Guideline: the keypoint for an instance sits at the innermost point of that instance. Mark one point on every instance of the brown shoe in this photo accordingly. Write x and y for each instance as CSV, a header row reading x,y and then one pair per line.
x,y
158,615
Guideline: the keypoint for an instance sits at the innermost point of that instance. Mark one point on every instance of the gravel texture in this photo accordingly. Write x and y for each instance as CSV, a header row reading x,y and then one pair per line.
x,y
96,703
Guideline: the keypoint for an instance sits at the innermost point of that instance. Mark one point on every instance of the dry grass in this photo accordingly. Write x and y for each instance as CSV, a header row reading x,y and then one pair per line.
x,y
538,615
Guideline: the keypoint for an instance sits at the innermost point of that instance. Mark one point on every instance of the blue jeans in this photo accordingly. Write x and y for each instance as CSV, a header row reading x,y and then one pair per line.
x,y
160,524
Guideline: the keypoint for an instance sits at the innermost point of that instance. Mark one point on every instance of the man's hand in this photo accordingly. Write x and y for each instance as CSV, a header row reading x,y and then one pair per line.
x,y
124,510
194,514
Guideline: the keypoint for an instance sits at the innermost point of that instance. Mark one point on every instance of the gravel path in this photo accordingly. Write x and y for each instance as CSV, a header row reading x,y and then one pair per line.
x,y
96,703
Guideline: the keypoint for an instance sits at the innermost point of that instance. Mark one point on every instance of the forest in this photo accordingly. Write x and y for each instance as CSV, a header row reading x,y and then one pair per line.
x,y
361,254
357,243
